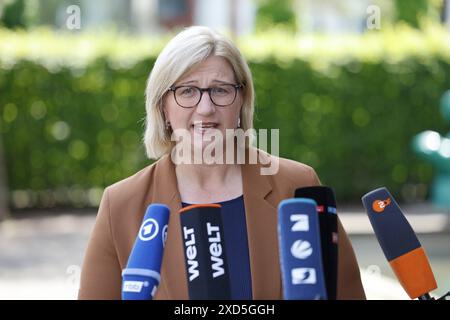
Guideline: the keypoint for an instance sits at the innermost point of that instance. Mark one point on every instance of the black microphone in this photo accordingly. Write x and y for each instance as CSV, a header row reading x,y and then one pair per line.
x,y
326,208
205,253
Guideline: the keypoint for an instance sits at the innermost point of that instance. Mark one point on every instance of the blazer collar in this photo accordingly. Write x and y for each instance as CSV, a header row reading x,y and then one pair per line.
x,y
261,222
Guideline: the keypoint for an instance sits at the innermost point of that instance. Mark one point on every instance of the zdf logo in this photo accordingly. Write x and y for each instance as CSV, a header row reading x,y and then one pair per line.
x,y
380,205
149,230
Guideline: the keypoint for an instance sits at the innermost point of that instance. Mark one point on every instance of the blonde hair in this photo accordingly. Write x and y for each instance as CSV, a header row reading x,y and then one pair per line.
x,y
186,50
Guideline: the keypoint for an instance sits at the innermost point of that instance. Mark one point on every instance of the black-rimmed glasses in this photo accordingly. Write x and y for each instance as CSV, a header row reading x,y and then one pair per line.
x,y
221,95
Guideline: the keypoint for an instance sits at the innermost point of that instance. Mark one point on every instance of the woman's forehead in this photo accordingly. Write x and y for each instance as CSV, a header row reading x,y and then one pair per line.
x,y
213,68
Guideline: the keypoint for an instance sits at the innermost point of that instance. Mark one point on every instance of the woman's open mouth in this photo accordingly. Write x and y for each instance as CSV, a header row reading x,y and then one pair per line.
x,y
204,127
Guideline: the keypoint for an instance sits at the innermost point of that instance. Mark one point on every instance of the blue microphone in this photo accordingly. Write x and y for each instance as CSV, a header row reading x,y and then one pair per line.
x,y
141,277
300,250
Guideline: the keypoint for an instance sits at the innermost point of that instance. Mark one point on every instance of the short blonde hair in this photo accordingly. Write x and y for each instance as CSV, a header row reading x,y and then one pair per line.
x,y
186,50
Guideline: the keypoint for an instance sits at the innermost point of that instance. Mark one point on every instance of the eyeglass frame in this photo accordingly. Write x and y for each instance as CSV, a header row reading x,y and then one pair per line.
x,y
202,90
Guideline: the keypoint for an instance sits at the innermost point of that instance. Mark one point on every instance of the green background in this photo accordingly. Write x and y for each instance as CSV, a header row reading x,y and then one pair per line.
x,y
72,120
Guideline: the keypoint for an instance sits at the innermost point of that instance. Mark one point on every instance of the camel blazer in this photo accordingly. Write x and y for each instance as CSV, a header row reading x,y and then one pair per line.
x,y
123,206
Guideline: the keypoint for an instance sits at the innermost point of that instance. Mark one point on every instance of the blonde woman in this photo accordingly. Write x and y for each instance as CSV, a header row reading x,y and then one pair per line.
x,y
201,84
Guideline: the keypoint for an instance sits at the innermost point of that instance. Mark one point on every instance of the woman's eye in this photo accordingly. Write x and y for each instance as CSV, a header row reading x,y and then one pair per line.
x,y
220,90
187,91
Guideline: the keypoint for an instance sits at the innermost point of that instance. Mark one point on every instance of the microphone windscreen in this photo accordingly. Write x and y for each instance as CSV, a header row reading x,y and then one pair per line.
x,y
141,277
399,243
300,252
321,194
326,208
205,253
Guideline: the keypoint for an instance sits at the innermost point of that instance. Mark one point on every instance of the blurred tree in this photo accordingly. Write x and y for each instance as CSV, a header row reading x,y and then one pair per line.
x,y
13,14
273,13
411,12
27,14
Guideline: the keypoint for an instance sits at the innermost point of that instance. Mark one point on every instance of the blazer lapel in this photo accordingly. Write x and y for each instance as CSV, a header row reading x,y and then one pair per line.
x,y
173,273
261,218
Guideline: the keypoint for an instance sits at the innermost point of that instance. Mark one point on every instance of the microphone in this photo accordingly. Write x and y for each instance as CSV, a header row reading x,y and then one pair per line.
x,y
326,208
141,277
399,244
300,253
205,253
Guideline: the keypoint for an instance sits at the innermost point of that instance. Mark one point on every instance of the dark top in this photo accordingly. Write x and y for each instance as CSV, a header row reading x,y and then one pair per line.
x,y
236,244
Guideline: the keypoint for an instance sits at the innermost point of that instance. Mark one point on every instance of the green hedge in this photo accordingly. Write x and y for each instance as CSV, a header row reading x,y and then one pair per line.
x,y
72,118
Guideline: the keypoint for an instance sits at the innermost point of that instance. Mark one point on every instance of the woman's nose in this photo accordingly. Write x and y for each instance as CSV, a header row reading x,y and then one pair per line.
x,y
205,106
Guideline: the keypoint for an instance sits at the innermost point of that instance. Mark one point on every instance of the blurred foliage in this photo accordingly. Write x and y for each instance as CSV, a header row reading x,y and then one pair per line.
x,y
276,13
13,14
72,108
21,14
412,12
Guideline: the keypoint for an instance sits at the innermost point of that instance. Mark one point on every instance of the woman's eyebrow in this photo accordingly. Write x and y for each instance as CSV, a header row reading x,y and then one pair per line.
x,y
195,81
187,82
221,81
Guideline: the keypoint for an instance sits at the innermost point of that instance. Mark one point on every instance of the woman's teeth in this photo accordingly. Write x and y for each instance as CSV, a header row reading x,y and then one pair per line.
x,y
201,128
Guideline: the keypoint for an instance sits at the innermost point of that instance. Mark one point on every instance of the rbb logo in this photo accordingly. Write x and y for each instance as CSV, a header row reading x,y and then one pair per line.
x,y
149,230
134,286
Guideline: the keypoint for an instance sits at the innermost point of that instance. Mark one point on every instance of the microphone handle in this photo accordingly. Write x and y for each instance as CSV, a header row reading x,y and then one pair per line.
x,y
425,296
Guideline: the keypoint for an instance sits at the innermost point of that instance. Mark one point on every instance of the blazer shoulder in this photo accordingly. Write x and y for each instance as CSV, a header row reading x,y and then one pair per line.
x,y
132,188
292,169
297,173
133,181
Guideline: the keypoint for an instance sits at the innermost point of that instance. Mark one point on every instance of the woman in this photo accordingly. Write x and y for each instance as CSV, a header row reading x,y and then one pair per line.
x,y
201,85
